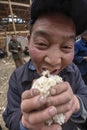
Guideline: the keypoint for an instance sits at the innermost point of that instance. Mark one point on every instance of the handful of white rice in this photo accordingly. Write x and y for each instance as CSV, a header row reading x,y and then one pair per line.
x,y
44,84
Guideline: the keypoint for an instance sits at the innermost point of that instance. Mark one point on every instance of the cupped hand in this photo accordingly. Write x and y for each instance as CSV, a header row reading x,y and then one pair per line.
x,y
35,113
64,99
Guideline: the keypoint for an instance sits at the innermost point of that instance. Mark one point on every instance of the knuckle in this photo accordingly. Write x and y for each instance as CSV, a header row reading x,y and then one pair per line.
x,y
68,106
22,106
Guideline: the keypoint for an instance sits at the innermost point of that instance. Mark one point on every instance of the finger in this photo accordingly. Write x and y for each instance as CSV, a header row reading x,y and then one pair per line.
x,y
42,115
34,103
52,127
60,99
59,88
41,126
30,93
68,115
65,107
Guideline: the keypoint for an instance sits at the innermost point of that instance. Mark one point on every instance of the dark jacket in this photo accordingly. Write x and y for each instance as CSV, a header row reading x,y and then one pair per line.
x,y
15,46
21,80
80,52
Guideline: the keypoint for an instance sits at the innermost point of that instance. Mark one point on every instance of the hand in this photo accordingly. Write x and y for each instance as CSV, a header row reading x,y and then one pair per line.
x,y
33,114
64,100
19,46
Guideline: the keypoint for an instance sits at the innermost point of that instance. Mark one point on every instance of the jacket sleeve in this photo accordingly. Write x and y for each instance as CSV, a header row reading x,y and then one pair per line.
x,y
12,114
80,90
77,57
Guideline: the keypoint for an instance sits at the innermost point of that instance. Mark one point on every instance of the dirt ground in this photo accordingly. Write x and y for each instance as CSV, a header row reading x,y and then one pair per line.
x,y
6,68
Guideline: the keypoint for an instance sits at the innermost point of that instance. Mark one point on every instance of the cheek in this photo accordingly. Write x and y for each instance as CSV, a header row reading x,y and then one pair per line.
x,y
35,54
69,58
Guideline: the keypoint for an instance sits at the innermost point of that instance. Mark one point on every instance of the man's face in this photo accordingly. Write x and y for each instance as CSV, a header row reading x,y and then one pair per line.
x,y
14,37
85,38
51,44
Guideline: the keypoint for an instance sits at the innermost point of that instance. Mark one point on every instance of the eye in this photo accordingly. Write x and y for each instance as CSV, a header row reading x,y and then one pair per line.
x,y
41,45
67,48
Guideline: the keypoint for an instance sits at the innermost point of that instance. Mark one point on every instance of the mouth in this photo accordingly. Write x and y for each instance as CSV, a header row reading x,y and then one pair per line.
x,y
53,72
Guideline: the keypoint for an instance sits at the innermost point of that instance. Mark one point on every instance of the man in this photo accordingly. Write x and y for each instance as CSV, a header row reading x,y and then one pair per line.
x,y
54,25
16,49
80,57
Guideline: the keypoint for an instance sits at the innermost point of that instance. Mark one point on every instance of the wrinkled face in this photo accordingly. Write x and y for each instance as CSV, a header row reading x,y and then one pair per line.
x,y
51,44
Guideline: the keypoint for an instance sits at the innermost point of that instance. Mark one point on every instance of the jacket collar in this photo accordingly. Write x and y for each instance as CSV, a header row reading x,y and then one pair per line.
x,y
29,73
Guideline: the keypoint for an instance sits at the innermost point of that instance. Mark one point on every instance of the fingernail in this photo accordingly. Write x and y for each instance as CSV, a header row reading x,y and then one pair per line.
x,y
35,92
52,111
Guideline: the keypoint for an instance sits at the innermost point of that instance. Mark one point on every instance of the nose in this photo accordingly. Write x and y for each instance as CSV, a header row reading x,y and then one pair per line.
x,y
54,58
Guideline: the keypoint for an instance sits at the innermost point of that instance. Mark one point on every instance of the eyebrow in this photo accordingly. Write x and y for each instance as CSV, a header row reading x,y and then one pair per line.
x,y
45,34
70,37
41,33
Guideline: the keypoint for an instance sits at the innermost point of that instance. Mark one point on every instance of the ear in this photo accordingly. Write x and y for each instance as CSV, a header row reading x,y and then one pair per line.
x,y
28,36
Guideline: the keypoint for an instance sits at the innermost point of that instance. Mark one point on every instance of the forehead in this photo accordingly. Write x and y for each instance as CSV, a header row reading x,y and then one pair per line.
x,y
54,22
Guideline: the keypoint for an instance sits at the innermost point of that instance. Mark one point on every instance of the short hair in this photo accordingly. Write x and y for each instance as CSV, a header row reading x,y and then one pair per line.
x,y
75,9
84,33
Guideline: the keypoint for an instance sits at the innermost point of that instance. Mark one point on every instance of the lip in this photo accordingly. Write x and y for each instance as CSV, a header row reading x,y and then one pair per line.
x,y
53,72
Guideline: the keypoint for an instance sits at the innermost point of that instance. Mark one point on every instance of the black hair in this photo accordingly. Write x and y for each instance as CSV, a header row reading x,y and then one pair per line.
x,y
40,8
75,9
84,33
